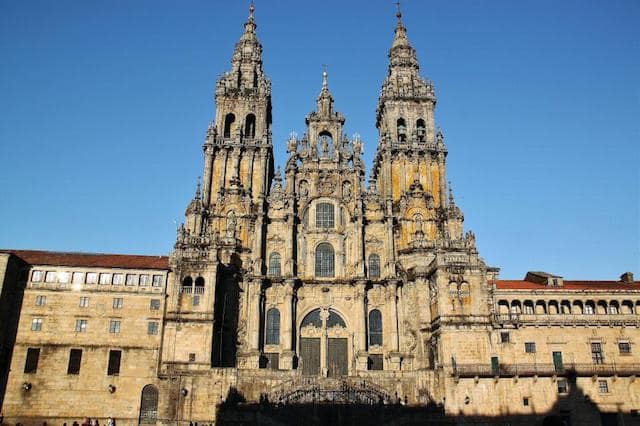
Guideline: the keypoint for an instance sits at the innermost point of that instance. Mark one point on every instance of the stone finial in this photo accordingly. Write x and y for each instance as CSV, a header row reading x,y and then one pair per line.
x,y
198,195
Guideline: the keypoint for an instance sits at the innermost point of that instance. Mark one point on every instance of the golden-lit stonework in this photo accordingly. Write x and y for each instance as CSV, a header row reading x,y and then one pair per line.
x,y
309,296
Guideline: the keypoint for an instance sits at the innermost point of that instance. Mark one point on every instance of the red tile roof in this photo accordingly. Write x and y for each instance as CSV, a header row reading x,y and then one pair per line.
x,y
98,260
568,285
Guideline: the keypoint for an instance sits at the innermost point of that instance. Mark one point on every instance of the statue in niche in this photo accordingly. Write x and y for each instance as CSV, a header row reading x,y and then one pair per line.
x,y
304,188
324,146
231,224
346,189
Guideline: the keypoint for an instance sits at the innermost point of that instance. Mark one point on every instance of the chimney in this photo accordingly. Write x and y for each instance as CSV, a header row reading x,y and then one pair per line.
x,y
627,278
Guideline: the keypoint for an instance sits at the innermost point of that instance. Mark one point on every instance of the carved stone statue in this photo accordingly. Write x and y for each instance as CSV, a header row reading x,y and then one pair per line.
x,y
231,224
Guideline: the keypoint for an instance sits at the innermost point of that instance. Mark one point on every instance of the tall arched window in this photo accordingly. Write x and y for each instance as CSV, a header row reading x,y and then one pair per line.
x,y
274,264
229,119
375,328
374,266
250,126
325,260
402,130
325,216
273,327
421,130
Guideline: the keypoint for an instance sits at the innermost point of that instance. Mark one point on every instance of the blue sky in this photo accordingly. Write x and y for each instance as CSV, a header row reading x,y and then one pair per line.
x,y
104,107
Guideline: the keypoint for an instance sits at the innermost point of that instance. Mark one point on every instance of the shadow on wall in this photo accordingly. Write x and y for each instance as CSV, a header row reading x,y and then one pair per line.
x,y
574,408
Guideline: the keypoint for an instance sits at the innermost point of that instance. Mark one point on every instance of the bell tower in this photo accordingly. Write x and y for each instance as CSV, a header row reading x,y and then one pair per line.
x,y
220,245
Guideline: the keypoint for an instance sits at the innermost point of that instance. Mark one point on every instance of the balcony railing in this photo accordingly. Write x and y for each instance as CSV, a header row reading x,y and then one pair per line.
x,y
603,319
529,370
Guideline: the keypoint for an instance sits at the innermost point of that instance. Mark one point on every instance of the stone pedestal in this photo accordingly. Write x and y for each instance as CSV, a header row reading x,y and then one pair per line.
x,y
394,361
286,360
362,361
249,360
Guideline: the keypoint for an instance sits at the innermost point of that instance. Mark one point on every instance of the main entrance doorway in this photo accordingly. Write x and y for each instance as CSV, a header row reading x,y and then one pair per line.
x,y
324,344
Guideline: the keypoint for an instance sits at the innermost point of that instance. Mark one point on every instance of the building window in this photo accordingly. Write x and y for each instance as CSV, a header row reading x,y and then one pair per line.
x,y
613,310
563,386
530,347
144,280
117,303
603,386
114,326
325,215
154,304
92,278
196,300
36,324
624,347
402,130
504,337
525,401
325,263
78,278
596,353
375,328
374,266
273,327
274,264
50,277
84,302
157,281
192,357
375,363
105,279
132,279
118,279
75,359
41,300
31,362
152,328
36,276
113,368
81,326
528,309
63,277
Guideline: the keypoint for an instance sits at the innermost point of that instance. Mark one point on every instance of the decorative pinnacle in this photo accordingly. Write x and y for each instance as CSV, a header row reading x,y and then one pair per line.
x,y
252,8
451,202
399,12
325,75
198,189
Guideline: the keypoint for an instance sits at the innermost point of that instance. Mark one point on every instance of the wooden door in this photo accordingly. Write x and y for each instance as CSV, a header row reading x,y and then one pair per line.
x,y
337,357
310,355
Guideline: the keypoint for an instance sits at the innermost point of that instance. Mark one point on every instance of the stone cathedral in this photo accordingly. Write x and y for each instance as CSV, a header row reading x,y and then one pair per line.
x,y
310,296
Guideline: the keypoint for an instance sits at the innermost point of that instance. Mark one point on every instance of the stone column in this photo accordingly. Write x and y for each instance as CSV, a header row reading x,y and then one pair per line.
x,y
288,323
443,180
362,356
250,173
223,172
208,170
394,354
252,356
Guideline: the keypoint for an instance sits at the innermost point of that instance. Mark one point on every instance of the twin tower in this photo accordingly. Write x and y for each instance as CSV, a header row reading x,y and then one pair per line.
x,y
317,271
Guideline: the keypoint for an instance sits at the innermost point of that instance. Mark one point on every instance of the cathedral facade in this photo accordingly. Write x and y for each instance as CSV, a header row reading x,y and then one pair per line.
x,y
309,285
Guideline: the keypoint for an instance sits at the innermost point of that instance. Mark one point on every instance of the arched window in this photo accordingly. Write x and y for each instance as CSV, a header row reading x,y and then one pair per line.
x,y
402,130
325,262
229,119
250,126
274,264
199,282
374,266
273,327
421,130
325,216
375,328
149,405
187,281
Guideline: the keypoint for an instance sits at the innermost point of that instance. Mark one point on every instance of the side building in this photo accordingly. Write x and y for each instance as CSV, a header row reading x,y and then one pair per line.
x,y
88,336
